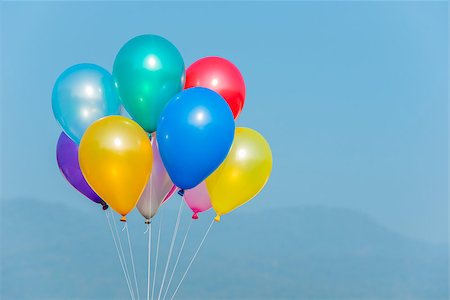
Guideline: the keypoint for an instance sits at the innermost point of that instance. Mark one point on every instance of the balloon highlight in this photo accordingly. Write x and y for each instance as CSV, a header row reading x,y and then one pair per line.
x,y
116,160
243,174
195,133
221,76
148,72
81,95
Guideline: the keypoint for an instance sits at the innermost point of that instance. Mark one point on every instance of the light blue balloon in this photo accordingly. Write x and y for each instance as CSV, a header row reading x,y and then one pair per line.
x,y
195,133
81,95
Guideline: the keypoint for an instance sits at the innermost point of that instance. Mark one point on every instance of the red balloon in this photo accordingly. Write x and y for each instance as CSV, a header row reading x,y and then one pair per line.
x,y
221,76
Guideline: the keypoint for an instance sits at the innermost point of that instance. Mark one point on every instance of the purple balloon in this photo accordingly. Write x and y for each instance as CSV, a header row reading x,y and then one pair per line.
x,y
67,157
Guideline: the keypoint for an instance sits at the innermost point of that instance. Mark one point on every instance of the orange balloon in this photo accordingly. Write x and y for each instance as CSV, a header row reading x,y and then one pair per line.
x,y
116,159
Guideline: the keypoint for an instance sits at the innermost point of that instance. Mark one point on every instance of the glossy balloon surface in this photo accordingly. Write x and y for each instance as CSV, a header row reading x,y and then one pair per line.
x,y
197,199
243,174
148,72
194,135
116,160
67,158
81,95
221,76
158,186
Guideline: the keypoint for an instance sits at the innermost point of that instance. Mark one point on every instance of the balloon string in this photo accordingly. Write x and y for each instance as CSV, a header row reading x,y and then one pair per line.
x,y
178,258
192,259
123,256
132,261
118,252
157,252
169,256
149,229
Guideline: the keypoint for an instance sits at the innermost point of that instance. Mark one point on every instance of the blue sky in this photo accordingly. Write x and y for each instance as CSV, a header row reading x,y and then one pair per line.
x,y
353,97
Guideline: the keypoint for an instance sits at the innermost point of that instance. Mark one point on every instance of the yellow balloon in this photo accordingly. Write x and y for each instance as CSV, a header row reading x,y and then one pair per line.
x,y
116,159
243,173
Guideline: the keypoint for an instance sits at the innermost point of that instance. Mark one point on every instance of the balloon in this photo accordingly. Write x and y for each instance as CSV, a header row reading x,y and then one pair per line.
x,y
243,174
221,76
171,192
197,199
194,135
158,187
148,71
67,158
116,160
81,95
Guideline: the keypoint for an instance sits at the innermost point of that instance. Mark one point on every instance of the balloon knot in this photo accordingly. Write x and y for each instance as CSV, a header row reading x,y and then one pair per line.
x,y
123,219
195,216
104,205
181,192
217,218
147,221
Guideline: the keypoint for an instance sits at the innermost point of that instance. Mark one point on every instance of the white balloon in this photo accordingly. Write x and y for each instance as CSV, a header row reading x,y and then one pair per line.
x,y
158,187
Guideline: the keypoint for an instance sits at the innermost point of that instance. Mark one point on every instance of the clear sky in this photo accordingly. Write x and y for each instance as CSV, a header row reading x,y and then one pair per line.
x,y
353,97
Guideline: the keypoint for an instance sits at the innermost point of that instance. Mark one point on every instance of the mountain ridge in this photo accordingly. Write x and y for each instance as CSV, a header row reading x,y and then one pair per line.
x,y
306,253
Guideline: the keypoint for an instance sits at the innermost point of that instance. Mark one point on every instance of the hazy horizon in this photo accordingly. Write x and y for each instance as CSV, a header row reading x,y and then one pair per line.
x,y
302,253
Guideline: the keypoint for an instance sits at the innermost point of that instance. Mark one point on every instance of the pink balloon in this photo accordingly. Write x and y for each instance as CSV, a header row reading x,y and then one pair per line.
x,y
197,199
172,191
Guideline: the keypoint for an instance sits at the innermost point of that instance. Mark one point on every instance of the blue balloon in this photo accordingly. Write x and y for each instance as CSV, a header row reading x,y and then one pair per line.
x,y
195,133
81,95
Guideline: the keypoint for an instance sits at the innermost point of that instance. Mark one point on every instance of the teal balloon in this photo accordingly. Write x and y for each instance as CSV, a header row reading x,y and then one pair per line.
x,y
82,94
148,72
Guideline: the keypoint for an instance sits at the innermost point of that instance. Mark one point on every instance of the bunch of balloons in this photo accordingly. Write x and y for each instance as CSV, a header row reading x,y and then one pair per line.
x,y
180,132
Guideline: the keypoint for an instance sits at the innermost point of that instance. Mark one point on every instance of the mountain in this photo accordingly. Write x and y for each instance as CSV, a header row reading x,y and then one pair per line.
x,y
54,252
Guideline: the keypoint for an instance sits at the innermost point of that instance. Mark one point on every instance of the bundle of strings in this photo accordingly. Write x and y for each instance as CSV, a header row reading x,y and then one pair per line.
x,y
134,294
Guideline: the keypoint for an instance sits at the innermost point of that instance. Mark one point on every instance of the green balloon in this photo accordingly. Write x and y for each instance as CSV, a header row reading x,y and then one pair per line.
x,y
148,71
